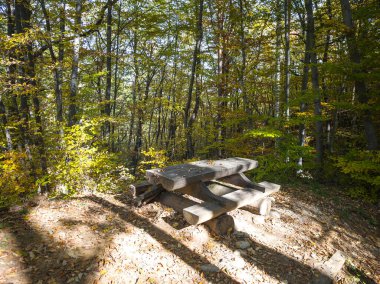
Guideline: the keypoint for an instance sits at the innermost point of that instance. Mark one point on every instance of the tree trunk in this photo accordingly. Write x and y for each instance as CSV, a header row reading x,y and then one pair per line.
x,y
57,67
107,105
188,121
305,79
360,86
73,108
4,120
315,83
221,79
116,81
135,89
287,57
277,73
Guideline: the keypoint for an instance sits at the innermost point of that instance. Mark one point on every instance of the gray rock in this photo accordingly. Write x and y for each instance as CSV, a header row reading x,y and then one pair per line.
x,y
209,268
243,244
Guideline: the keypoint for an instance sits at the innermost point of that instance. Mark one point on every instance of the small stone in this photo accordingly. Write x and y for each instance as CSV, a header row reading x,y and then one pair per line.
x,y
209,268
243,244
251,250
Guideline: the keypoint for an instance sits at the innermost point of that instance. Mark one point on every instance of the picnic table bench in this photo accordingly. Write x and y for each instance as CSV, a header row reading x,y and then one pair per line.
x,y
221,186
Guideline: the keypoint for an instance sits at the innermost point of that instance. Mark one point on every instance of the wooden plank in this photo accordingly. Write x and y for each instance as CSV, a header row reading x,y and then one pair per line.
x,y
198,214
137,189
221,225
330,269
179,176
148,195
237,187
261,206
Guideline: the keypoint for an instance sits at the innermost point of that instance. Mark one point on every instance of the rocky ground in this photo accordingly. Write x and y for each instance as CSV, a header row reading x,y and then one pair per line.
x,y
101,238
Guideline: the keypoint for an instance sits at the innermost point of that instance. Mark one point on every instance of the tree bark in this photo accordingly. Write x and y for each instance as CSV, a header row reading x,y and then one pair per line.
x,y
73,108
315,82
107,103
277,73
305,79
360,85
189,120
287,14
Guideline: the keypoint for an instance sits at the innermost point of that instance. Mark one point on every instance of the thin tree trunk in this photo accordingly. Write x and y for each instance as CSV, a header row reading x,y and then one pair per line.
x,y
22,17
287,57
315,83
324,84
221,85
194,69
107,106
4,120
135,90
277,74
140,121
243,51
305,79
57,67
116,81
73,107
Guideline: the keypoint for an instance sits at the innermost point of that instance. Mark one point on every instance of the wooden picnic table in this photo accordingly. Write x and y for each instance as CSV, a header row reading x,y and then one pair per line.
x,y
179,176
220,184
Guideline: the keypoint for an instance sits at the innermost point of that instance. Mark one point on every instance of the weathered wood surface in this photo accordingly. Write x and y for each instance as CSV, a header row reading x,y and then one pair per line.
x,y
221,225
137,189
330,269
179,176
201,213
261,206
148,195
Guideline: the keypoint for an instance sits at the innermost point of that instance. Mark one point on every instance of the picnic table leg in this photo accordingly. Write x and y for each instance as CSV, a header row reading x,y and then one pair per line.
x,y
220,225
213,192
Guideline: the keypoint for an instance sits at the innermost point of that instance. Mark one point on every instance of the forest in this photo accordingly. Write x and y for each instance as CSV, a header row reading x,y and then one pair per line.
x,y
101,99
93,93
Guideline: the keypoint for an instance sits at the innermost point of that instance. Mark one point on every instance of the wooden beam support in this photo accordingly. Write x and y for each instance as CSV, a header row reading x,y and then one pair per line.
x,y
137,189
221,225
261,206
201,213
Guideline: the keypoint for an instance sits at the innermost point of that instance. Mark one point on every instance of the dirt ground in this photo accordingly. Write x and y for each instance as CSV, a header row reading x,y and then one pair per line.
x,y
101,238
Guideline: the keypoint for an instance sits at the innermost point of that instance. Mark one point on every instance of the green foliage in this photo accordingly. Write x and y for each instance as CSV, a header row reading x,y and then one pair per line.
x,y
363,168
82,164
16,181
152,159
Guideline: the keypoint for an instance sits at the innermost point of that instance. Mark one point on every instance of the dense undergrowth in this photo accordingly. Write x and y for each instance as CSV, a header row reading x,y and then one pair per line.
x,y
81,163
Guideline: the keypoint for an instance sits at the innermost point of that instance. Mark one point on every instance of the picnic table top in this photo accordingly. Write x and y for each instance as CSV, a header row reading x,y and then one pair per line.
x,y
179,176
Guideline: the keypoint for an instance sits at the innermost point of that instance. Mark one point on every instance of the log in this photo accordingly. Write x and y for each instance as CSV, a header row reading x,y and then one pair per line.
x,y
237,187
330,269
261,206
137,189
221,225
179,176
148,195
201,213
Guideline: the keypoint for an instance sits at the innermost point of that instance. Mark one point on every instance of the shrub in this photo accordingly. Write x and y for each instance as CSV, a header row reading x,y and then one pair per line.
x,y
16,181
